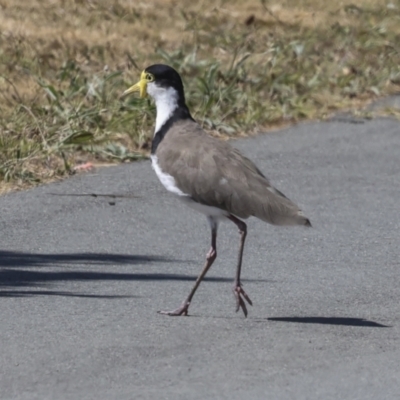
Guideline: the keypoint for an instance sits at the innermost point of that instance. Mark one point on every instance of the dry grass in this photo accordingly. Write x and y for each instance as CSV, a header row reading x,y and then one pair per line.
x,y
246,65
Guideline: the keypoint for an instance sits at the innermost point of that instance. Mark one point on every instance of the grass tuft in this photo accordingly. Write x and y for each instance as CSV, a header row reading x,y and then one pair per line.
x,y
246,65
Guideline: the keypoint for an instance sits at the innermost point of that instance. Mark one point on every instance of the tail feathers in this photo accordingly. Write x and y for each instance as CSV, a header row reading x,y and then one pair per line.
x,y
278,210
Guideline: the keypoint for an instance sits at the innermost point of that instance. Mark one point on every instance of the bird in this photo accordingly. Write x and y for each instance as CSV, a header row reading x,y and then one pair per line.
x,y
208,174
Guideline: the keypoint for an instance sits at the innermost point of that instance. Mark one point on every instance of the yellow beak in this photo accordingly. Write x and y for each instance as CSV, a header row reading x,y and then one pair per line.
x,y
141,87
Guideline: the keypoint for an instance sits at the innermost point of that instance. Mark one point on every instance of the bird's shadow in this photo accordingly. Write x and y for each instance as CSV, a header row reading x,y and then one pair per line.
x,y
338,321
344,321
20,272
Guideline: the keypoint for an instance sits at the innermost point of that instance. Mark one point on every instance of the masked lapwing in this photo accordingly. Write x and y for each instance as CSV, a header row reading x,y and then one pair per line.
x,y
207,174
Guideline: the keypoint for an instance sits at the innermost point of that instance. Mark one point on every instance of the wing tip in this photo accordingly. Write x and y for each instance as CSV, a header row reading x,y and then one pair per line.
x,y
304,219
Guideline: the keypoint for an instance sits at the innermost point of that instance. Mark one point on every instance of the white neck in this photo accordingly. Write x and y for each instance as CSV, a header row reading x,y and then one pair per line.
x,y
166,103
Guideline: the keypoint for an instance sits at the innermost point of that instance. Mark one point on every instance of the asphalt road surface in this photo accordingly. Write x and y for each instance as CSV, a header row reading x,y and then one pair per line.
x,y
81,281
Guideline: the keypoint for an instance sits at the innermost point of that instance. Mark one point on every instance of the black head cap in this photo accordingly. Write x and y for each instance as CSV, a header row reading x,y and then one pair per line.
x,y
165,76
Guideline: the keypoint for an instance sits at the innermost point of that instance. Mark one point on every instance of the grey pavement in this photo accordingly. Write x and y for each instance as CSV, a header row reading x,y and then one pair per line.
x,y
81,281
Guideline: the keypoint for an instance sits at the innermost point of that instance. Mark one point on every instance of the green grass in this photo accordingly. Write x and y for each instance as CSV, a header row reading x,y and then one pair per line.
x,y
61,107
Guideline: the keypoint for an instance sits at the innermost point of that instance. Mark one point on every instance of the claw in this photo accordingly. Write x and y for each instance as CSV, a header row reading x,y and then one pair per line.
x,y
244,294
239,292
182,310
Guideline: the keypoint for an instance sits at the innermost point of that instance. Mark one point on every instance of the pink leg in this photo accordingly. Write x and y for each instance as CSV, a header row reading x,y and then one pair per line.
x,y
237,288
211,256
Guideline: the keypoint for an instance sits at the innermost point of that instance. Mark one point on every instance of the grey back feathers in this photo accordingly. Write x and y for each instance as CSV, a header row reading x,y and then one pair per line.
x,y
213,173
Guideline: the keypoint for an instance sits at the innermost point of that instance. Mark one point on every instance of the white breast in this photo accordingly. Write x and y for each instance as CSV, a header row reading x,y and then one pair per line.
x,y
167,180
169,183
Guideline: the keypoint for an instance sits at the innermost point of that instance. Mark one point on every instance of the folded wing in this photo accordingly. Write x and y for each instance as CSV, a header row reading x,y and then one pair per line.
x,y
219,175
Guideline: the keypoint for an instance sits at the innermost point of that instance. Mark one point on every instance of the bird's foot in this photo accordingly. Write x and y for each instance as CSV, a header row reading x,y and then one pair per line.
x,y
239,295
182,310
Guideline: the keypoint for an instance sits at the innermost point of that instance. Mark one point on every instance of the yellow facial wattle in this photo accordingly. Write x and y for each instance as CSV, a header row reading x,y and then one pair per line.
x,y
140,86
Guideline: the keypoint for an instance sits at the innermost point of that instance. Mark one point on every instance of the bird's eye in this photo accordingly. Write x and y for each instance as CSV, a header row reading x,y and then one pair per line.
x,y
149,78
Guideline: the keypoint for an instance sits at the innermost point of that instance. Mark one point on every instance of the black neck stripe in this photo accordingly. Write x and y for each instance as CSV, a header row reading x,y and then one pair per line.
x,y
180,113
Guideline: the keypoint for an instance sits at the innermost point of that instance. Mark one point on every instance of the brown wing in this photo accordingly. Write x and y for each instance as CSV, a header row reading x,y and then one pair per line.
x,y
214,173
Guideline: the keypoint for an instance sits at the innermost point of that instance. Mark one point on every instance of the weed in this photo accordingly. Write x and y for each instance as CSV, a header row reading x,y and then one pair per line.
x,y
246,65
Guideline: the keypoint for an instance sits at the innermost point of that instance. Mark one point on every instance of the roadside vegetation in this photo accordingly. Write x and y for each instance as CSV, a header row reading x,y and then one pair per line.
x,y
247,65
